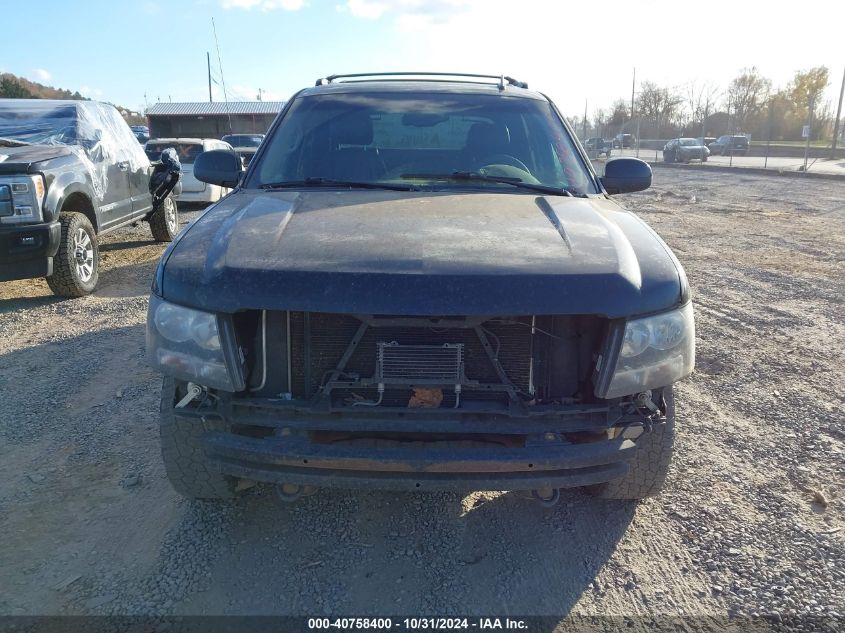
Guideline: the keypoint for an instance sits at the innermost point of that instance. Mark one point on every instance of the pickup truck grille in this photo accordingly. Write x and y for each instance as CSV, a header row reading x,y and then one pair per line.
x,y
422,355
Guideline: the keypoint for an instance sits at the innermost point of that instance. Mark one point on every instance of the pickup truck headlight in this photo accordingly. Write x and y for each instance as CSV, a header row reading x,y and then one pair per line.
x,y
187,344
25,199
656,351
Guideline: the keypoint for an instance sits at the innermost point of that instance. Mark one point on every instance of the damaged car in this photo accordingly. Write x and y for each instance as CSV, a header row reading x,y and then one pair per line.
x,y
71,171
419,283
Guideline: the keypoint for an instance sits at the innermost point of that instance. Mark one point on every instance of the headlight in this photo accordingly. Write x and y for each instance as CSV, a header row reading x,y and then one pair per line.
x,y
656,351
27,198
186,343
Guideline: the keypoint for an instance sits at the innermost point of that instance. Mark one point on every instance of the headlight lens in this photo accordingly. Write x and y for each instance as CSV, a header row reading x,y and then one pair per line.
x,y
27,197
174,322
185,343
204,332
656,352
637,336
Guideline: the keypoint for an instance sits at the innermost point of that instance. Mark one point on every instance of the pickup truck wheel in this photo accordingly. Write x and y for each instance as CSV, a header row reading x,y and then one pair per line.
x,y
76,265
191,473
650,464
164,222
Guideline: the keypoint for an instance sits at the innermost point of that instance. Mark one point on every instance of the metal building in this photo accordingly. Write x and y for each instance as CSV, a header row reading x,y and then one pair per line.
x,y
211,119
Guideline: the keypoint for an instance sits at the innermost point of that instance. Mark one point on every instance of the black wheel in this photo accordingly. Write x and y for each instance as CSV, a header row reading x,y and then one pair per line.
x,y
76,265
164,222
650,464
191,473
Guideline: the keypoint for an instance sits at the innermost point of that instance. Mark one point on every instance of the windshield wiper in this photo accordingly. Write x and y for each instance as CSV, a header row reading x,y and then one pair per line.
x,y
328,182
505,180
13,142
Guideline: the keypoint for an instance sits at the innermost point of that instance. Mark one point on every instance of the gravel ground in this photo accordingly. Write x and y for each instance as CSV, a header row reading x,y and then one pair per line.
x,y
751,521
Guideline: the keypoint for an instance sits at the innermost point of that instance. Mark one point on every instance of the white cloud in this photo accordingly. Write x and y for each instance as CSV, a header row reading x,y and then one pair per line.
x,y
91,93
42,74
264,5
366,9
409,12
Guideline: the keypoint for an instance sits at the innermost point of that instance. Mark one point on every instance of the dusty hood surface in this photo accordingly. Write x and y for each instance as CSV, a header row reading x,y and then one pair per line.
x,y
381,252
21,159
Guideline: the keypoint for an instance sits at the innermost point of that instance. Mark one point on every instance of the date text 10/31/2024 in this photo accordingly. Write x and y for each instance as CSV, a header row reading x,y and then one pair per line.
x,y
416,624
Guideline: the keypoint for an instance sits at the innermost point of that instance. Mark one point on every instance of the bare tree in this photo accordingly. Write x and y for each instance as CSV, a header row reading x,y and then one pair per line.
x,y
658,106
655,102
599,121
619,113
747,94
701,99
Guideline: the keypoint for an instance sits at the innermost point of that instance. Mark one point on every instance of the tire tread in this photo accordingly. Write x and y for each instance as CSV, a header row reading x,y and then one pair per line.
x,y
191,473
649,467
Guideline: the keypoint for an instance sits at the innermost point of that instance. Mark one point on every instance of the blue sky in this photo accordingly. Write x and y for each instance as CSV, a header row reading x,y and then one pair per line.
x,y
119,51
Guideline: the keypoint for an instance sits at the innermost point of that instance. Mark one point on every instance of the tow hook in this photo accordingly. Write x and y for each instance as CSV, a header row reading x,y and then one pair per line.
x,y
644,400
546,497
291,492
194,392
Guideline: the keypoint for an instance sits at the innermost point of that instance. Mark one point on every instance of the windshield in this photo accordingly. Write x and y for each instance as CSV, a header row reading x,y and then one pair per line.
x,y
243,140
414,137
187,152
687,142
41,125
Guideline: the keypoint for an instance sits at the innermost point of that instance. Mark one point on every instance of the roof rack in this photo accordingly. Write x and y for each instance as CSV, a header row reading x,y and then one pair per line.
x,y
501,80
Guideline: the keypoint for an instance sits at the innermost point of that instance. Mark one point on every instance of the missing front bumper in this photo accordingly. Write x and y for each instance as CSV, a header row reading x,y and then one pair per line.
x,y
299,461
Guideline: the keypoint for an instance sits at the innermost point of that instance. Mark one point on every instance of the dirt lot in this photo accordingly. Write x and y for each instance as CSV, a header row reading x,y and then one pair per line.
x,y
751,522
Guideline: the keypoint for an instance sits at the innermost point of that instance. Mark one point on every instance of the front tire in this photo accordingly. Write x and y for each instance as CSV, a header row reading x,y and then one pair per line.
x,y
76,265
189,469
648,469
164,222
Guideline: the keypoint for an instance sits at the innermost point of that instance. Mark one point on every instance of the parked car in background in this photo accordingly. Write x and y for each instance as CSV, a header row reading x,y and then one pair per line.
x,y
187,150
624,140
69,172
598,146
419,285
706,140
727,144
683,150
141,132
245,144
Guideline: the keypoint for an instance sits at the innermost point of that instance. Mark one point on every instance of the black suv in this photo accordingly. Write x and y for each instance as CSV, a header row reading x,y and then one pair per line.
x,y
419,284
69,171
727,145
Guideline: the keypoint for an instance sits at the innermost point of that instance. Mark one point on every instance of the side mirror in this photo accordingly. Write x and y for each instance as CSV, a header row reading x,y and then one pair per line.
x,y
624,175
218,167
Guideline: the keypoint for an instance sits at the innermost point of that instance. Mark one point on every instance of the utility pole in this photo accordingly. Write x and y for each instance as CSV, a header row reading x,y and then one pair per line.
x,y
809,130
208,61
838,114
585,119
769,135
633,87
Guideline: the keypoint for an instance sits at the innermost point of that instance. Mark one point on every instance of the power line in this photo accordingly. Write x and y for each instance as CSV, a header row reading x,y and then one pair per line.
x,y
220,63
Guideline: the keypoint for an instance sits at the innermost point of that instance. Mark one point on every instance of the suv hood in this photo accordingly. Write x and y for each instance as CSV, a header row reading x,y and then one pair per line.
x,y
21,159
382,252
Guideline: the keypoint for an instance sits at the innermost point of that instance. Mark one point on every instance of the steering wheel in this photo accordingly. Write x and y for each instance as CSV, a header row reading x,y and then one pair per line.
x,y
504,159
